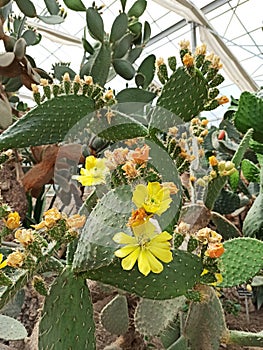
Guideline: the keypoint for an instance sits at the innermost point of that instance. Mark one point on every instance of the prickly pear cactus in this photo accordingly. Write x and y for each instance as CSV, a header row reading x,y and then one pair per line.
x,y
169,284
242,259
114,316
67,318
48,122
185,95
11,329
248,115
162,311
205,323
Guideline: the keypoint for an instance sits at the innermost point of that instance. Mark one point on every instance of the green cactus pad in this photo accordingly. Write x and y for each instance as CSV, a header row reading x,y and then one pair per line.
x,y
114,316
147,68
101,59
163,312
185,95
176,279
248,115
19,278
253,223
67,318
118,126
119,27
205,322
11,329
47,123
224,226
108,217
242,260
227,202
135,95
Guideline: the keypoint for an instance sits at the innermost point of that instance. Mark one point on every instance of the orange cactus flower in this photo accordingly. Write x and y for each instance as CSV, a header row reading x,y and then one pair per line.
x,y
215,250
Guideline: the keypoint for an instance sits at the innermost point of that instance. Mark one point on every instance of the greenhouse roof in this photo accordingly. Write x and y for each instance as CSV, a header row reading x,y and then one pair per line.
x,y
231,28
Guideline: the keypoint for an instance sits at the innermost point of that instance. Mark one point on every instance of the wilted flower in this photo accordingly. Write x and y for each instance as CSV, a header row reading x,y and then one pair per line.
x,y
76,221
51,217
130,169
15,259
25,237
140,155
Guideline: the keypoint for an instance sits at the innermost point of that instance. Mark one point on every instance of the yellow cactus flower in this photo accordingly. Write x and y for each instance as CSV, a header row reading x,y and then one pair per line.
x,y
188,60
213,161
109,95
222,100
148,248
43,82
154,198
88,79
184,44
76,221
66,77
35,88
15,259
25,237
13,220
2,263
94,173
51,217
200,50
159,62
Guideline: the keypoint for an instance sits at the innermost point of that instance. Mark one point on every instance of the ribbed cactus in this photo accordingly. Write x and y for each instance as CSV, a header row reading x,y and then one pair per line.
x,y
67,317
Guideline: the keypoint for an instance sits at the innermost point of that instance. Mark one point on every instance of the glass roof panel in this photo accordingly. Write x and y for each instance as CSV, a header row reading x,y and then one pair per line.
x,y
238,22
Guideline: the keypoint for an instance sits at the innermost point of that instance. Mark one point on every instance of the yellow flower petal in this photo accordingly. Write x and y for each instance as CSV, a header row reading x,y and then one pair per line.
x,y
155,264
128,262
162,237
165,204
124,251
154,198
90,162
164,255
147,229
139,195
143,263
123,238
3,264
